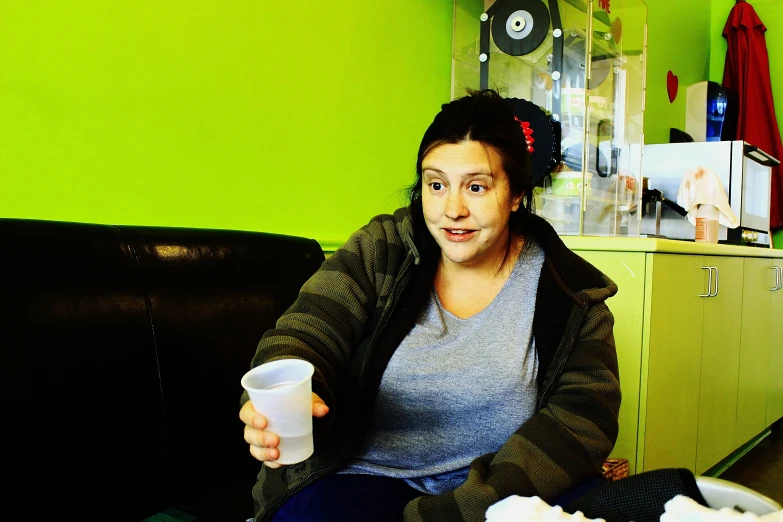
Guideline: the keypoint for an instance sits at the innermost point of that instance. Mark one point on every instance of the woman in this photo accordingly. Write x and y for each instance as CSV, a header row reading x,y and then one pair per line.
x,y
463,354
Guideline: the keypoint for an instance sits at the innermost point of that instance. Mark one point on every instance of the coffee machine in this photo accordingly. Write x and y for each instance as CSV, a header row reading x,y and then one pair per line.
x,y
711,112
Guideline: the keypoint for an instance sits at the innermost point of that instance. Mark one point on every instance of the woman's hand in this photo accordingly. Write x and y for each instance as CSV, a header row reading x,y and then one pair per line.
x,y
263,444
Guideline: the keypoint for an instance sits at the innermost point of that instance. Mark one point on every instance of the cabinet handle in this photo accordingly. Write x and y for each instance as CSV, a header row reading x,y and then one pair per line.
x,y
716,280
777,278
709,282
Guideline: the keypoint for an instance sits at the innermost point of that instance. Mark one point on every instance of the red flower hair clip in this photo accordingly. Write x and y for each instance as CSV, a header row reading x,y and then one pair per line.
x,y
528,133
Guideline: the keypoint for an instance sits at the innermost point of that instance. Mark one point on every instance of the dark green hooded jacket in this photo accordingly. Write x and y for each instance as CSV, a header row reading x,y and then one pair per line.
x,y
353,313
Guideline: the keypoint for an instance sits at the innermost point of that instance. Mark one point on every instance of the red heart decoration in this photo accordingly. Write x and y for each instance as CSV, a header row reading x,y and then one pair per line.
x,y
672,85
617,30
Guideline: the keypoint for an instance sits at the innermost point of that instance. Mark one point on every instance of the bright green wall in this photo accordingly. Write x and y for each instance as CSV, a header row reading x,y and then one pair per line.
x,y
678,40
771,13
299,118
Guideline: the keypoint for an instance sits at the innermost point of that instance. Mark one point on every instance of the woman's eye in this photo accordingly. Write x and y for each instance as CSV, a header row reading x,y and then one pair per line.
x,y
436,186
476,188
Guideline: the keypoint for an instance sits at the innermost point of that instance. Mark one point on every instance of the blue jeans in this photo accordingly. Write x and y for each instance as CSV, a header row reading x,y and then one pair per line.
x,y
349,498
359,498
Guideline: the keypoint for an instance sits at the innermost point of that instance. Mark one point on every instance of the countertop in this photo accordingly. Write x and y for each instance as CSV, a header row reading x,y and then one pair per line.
x,y
633,244
666,246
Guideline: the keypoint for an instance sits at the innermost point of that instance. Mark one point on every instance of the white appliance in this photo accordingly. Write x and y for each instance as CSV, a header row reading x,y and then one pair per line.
x,y
744,170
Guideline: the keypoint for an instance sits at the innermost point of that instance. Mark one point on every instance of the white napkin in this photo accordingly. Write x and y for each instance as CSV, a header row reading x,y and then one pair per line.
x,y
531,509
684,509
701,186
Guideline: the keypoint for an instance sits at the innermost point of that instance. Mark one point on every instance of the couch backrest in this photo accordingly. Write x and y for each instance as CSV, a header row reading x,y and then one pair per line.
x,y
122,352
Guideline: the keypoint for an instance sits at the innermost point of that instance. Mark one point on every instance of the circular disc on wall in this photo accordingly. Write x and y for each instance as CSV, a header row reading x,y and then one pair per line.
x,y
520,26
575,57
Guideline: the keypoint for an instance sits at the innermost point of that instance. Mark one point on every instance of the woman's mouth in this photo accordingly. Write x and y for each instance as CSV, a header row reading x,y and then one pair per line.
x,y
458,234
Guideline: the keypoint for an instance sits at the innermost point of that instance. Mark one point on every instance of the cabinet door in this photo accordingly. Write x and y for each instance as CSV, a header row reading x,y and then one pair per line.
x,y
627,270
755,341
775,366
720,351
672,362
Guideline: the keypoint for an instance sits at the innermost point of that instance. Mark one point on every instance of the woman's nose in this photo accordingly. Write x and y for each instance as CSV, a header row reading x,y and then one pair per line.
x,y
455,206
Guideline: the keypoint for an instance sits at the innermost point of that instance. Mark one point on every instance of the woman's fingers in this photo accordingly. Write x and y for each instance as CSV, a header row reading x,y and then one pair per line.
x,y
263,444
251,417
260,438
320,408
265,455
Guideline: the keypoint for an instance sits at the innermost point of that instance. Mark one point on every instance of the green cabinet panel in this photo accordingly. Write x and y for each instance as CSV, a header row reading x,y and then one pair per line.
x,y
720,351
700,374
756,325
775,366
671,362
627,270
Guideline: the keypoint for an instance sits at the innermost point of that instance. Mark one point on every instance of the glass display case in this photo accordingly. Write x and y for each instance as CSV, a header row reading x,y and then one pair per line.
x,y
582,62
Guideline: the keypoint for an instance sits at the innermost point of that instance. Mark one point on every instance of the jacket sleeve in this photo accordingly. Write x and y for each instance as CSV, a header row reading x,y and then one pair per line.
x,y
563,444
328,318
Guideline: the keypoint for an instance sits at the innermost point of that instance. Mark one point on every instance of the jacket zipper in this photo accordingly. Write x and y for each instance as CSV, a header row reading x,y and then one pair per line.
x,y
561,362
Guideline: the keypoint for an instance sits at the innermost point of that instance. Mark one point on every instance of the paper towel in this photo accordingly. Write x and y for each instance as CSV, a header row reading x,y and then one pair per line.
x,y
531,509
701,186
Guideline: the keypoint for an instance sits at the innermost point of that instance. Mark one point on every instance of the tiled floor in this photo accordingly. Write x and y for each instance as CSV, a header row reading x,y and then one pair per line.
x,y
761,469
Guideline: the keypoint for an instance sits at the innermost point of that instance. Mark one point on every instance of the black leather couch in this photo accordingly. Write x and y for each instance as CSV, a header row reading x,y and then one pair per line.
x,y
122,353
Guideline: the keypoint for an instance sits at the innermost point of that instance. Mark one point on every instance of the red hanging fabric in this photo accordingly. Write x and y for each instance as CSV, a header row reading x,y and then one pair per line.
x,y
747,73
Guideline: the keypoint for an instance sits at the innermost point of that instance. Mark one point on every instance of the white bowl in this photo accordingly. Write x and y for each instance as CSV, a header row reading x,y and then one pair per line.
x,y
721,493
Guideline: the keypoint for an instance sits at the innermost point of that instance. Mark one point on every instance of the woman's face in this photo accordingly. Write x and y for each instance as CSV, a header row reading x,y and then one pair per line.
x,y
467,203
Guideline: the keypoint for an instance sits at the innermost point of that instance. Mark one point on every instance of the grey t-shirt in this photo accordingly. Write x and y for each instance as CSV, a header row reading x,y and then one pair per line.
x,y
456,389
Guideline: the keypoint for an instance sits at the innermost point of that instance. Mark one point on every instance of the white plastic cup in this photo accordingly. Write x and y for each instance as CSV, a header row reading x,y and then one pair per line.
x,y
281,391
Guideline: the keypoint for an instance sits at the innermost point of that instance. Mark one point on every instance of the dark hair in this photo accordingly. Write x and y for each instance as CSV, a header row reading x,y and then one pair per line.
x,y
486,117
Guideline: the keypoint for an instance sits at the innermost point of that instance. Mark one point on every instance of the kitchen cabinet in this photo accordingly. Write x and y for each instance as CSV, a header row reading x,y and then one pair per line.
x,y
775,396
720,357
775,356
628,272
671,362
699,351
755,350
692,355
